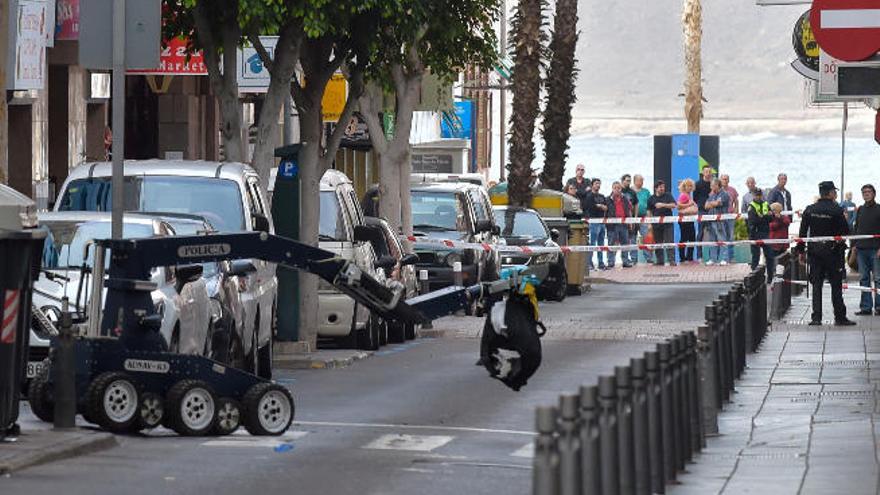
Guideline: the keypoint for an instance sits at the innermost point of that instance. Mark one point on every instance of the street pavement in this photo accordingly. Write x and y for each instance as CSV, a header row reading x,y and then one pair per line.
x,y
418,417
803,418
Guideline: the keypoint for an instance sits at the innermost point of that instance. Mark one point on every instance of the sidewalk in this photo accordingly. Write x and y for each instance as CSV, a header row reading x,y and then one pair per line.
x,y
39,446
688,273
803,417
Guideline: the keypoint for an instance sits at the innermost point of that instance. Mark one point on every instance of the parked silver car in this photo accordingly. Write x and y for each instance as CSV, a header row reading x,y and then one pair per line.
x,y
181,298
227,195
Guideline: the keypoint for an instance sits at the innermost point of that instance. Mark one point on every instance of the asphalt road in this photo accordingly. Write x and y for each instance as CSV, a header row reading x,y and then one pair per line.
x,y
414,418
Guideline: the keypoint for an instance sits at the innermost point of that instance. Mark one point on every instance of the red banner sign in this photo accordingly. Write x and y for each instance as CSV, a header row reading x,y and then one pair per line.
x,y
67,20
174,60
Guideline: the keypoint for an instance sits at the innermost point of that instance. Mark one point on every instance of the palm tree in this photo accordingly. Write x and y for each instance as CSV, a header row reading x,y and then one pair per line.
x,y
560,93
527,42
692,18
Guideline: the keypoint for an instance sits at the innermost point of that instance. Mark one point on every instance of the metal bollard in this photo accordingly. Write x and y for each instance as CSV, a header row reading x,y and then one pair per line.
x,y
749,313
696,397
670,455
653,386
641,433
64,415
682,438
739,329
626,442
717,375
545,465
569,445
591,481
708,381
724,335
608,436
687,394
425,287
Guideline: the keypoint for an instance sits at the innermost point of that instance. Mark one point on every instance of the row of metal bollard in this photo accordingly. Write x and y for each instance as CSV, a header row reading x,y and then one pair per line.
x,y
783,289
634,431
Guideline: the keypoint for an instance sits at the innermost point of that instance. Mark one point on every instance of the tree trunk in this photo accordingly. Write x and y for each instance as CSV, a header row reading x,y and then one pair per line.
x,y
281,71
693,39
560,94
223,83
526,81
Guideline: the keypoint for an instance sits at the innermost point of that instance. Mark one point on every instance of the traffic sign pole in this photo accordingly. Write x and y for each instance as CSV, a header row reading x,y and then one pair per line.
x,y
118,117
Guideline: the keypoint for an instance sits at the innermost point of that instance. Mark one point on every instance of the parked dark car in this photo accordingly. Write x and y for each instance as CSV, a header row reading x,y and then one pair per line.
x,y
399,267
458,211
525,227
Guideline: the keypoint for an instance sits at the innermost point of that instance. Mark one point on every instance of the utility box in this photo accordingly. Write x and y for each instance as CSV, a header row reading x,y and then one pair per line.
x,y
286,209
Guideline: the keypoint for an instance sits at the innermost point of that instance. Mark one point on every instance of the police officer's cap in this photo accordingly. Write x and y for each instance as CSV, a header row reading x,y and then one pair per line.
x,y
826,186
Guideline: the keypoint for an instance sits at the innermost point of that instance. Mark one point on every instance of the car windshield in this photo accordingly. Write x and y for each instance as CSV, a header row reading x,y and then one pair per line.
x,y
331,225
67,240
520,224
216,200
436,211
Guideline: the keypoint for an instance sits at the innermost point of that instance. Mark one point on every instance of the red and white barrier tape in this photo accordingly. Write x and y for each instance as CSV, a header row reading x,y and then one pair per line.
x,y
846,286
684,218
633,247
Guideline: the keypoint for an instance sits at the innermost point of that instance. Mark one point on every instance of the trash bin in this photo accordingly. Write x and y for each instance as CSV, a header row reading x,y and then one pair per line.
x,y
576,262
20,253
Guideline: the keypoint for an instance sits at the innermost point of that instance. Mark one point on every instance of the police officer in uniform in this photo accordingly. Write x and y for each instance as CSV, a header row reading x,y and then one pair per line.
x,y
825,218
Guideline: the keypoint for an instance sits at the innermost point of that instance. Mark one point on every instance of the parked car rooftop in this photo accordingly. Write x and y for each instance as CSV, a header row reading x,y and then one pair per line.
x,y
193,168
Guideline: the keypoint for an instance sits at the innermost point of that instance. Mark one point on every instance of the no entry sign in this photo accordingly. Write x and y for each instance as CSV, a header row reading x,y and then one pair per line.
x,y
847,29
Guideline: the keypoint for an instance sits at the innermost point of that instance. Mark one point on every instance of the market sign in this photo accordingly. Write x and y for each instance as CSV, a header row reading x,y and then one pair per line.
x,y
174,60
847,29
66,20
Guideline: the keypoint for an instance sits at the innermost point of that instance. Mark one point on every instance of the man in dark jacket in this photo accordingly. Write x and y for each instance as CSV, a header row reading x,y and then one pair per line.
x,y
581,184
759,229
820,219
701,194
779,194
867,250
596,206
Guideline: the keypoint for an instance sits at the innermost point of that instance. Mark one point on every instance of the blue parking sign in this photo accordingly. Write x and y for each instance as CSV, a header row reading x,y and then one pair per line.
x,y
288,169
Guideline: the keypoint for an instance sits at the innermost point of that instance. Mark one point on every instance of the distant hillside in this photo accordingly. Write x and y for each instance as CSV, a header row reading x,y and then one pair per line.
x,y
631,67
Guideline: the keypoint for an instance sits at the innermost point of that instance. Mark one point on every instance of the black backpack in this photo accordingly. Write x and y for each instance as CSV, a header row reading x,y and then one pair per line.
x,y
520,338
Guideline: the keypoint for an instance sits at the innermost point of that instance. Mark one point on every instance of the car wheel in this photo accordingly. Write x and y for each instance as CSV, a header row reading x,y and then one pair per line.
x,y
192,408
236,356
40,396
396,332
174,345
254,357
264,361
228,416
369,336
268,409
113,401
383,332
560,290
151,411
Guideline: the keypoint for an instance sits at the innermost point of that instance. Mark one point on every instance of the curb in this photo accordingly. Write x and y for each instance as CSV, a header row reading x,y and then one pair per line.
x,y
306,361
82,444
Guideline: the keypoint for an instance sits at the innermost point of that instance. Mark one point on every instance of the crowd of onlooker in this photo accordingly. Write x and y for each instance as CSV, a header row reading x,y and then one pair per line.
x,y
710,195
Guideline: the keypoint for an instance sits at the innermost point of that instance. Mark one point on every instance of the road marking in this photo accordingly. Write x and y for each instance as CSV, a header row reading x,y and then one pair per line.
x,y
414,427
243,439
851,19
417,443
527,451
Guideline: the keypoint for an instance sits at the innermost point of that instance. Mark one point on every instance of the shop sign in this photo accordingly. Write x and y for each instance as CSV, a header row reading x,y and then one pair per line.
x,y
67,20
175,60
